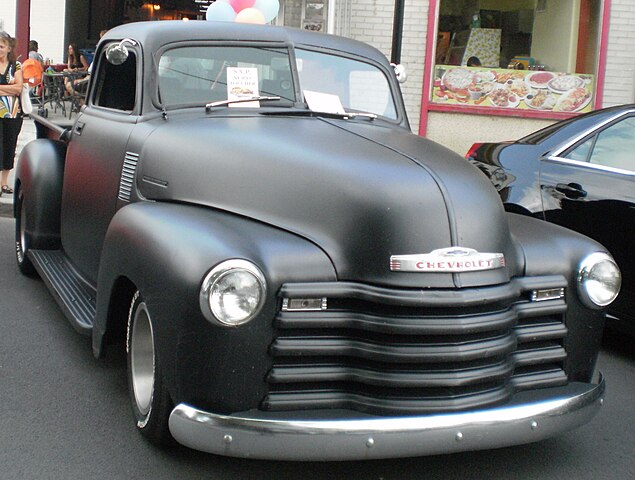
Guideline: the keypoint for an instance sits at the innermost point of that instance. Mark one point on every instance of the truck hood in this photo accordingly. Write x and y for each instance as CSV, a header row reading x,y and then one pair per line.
x,y
359,191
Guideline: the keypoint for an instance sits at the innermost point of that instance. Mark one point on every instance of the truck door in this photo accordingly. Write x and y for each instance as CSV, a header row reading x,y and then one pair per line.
x,y
94,160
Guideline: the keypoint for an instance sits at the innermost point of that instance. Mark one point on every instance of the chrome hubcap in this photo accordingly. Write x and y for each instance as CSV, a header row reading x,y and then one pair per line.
x,y
21,247
142,359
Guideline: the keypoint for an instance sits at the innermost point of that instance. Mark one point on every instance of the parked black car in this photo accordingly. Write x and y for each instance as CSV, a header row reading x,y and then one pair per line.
x,y
578,173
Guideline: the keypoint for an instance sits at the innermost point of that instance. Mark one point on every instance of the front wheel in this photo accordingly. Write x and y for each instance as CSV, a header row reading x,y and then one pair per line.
x,y
151,403
22,238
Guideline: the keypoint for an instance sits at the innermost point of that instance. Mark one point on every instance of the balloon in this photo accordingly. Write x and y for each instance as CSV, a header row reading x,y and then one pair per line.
x,y
221,12
250,15
269,8
240,5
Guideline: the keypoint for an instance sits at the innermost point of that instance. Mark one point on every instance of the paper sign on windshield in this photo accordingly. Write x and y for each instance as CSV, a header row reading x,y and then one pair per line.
x,y
324,102
242,83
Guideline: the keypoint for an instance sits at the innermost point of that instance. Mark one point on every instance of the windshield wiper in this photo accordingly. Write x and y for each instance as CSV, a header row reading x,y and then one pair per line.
x,y
222,103
370,116
314,113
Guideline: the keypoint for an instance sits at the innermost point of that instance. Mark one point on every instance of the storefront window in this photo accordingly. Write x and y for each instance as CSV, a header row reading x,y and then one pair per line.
x,y
306,14
535,55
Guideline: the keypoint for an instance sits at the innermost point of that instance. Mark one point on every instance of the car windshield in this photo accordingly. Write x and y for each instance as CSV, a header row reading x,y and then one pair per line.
x,y
202,74
359,86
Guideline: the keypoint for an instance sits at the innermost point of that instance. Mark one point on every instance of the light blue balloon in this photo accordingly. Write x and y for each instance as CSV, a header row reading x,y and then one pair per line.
x,y
269,8
220,12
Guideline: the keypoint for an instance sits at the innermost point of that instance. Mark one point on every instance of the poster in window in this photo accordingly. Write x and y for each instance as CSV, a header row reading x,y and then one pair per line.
x,y
500,88
314,16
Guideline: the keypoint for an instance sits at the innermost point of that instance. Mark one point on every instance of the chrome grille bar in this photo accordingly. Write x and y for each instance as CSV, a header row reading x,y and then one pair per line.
x,y
383,350
127,176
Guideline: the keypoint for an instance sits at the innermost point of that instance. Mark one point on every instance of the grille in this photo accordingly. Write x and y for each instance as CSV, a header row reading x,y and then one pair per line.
x,y
127,176
388,351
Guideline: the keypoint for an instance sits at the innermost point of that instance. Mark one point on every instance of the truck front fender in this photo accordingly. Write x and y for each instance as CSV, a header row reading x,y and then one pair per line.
x,y
39,179
550,249
165,251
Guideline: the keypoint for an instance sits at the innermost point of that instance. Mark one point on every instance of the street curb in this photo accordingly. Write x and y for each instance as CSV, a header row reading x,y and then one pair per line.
x,y
6,209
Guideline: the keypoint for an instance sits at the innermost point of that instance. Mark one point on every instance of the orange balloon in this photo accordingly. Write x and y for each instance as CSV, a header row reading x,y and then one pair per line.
x,y
250,15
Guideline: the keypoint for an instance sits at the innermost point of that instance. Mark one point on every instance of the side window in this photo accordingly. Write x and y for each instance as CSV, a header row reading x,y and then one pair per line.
x,y
117,84
611,147
581,152
615,145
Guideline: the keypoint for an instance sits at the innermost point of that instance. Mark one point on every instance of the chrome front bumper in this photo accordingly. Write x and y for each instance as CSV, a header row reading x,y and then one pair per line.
x,y
533,416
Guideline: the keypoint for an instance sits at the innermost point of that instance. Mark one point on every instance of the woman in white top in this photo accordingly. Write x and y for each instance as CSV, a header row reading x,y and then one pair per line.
x,y
10,111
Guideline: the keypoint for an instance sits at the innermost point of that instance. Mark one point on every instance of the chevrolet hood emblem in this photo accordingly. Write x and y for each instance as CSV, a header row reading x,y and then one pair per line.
x,y
447,260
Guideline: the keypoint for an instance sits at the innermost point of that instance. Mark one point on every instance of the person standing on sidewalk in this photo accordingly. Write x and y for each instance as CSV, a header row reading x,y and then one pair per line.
x,y
10,111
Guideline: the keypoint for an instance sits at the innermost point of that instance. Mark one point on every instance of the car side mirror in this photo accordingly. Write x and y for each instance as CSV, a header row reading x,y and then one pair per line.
x,y
400,72
117,53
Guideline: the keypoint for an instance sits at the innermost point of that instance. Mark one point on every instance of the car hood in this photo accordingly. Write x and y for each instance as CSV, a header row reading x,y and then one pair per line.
x,y
360,191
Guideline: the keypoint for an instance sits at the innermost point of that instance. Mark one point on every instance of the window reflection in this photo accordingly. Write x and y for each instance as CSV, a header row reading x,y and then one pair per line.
x,y
198,75
612,147
581,153
360,86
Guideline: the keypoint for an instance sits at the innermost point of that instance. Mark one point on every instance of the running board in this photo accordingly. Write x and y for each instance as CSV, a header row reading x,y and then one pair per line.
x,y
77,300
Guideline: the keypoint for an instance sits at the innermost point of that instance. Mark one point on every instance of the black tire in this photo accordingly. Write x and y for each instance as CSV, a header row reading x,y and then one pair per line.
x,y
22,239
150,400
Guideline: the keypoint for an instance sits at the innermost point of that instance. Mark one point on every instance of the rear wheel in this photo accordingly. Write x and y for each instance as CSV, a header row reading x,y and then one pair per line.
x,y
151,403
22,238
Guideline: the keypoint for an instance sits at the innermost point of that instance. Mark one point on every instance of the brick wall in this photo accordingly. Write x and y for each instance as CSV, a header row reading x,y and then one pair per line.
x,y
619,86
47,24
47,27
372,21
7,16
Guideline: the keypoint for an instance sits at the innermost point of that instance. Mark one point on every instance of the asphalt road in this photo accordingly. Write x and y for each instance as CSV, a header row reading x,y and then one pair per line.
x,y
65,415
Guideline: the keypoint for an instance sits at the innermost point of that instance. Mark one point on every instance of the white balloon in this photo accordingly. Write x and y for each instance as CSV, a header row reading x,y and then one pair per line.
x,y
220,11
269,8
250,15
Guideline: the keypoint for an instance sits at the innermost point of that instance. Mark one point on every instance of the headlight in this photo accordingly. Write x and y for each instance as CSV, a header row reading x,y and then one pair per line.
x,y
233,292
599,280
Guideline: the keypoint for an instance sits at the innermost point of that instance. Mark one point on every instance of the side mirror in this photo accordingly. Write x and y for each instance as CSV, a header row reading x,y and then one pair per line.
x,y
117,53
400,72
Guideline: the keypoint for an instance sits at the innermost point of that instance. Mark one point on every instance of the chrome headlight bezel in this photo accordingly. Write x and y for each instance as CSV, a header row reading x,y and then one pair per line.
x,y
588,281
208,299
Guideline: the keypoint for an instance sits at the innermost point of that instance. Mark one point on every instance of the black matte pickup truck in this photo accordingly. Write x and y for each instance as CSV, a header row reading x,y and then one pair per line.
x,y
294,274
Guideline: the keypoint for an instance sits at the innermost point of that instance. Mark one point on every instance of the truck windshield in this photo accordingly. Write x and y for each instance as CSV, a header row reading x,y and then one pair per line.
x,y
361,87
203,74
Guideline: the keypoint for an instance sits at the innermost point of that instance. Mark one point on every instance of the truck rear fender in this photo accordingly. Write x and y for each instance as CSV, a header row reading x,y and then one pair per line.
x,y
39,179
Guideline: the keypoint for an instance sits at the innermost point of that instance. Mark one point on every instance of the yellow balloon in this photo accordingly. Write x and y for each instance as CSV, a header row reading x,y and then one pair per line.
x,y
250,15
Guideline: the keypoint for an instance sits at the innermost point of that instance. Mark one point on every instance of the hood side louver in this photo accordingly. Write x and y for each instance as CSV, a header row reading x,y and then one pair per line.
x,y
127,176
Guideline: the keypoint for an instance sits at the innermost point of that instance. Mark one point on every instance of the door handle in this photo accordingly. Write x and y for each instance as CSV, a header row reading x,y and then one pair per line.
x,y
79,126
571,190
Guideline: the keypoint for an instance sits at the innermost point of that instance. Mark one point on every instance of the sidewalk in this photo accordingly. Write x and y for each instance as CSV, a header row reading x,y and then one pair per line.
x,y
26,135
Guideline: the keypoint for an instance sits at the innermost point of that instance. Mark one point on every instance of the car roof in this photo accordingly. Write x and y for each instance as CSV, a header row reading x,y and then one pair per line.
x,y
570,126
153,35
